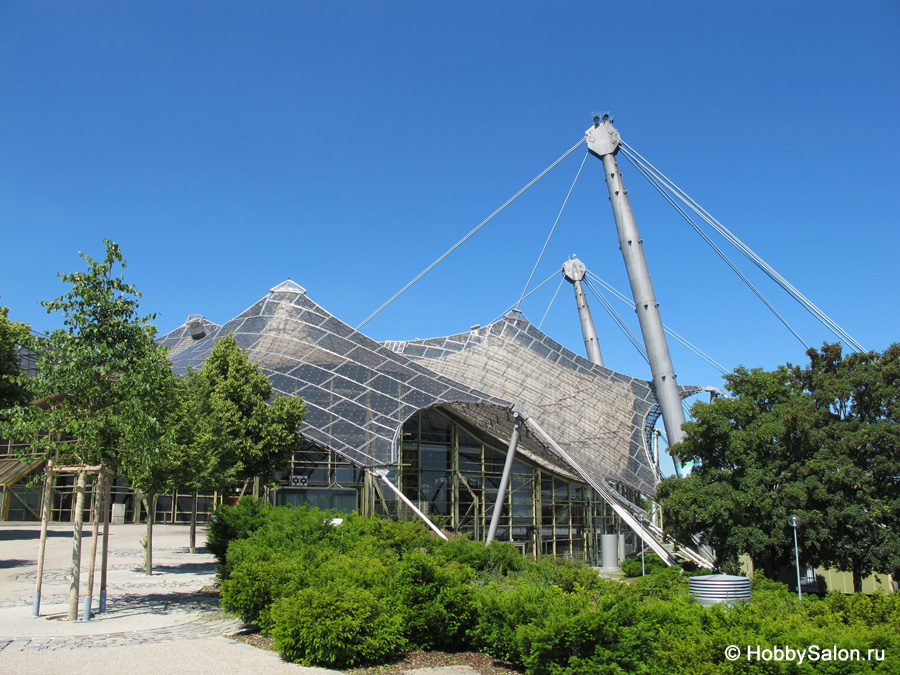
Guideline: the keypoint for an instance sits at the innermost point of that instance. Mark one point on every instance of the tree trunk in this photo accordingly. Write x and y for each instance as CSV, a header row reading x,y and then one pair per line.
x,y
770,564
95,530
45,520
150,500
76,548
193,543
244,488
857,577
107,505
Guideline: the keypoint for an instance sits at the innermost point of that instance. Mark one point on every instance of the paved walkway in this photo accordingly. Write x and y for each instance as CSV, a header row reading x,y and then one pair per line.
x,y
155,624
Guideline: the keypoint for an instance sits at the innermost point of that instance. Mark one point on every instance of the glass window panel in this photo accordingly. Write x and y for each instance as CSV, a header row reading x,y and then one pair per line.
x,y
433,489
561,491
316,417
469,462
493,461
435,457
335,344
435,428
371,359
466,440
355,372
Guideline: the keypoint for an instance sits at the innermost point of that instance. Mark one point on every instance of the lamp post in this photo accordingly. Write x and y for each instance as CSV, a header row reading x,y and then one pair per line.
x,y
794,521
641,539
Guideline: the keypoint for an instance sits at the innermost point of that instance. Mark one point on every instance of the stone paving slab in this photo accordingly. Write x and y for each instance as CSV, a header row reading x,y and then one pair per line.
x,y
153,624
209,656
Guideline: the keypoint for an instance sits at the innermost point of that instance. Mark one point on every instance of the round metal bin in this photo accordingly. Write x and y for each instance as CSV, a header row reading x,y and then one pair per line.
x,y
715,588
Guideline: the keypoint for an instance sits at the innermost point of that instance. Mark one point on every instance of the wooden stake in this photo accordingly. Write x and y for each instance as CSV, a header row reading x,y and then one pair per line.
x,y
47,497
95,530
76,548
107,493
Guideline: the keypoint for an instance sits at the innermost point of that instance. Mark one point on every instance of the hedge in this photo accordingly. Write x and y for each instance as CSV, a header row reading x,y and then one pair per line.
x,y
362,591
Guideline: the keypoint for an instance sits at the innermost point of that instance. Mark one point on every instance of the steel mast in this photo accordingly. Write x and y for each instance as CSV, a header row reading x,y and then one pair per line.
x,y
603,142
573,270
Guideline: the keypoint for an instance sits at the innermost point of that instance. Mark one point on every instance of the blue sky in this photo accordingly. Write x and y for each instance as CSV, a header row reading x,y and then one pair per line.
x,y
227,146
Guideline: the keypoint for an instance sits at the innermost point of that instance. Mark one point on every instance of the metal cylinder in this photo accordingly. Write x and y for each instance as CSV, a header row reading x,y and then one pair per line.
x,y
609,550
716,588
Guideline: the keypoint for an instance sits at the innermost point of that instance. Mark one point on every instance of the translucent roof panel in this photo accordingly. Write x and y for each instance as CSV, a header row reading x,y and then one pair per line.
x,y
180,339
357,392
596,415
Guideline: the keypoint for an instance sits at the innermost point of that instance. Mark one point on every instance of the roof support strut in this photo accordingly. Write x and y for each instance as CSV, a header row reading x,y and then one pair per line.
x,y
603,142
504,479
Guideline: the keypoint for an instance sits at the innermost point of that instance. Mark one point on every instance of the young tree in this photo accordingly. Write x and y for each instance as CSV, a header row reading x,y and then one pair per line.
x,y
88,385
150,457
228,430
12,335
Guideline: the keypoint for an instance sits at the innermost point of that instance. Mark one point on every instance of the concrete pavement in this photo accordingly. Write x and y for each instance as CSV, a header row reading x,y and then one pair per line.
x,y
153,625
156,624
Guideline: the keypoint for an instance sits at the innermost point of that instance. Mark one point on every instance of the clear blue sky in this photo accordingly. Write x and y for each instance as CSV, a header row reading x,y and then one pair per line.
x,y
227,146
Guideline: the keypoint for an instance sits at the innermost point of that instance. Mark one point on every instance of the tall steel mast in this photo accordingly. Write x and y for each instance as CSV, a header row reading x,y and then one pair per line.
x,y
603,142
573,271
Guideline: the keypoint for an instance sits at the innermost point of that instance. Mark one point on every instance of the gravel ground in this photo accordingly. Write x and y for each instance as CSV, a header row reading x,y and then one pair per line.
x,y
480,663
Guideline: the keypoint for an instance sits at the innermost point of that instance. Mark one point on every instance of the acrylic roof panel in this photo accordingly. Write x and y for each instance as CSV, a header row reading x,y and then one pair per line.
x,y
180,339
596,415
357,392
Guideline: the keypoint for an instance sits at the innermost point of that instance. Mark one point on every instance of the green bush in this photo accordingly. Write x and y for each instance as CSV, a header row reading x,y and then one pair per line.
x,y
335,626
235,522
497,558
652,562
503,608
568,575
341,596
256,583
436,600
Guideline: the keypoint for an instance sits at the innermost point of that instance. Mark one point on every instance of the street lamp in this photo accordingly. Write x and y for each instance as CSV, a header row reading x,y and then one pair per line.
x,y
794,521
641,539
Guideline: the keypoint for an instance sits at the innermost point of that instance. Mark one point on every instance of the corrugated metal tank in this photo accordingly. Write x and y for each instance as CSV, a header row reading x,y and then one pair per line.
x,y
715,588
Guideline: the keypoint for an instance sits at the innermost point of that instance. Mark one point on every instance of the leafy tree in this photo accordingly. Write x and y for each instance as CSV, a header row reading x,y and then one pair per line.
x,y
12,335
228,430
745,483
149,456
851,414
92,404
820,441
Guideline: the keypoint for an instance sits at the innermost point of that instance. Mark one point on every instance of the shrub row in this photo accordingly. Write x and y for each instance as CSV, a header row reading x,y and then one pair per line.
x,y
359,592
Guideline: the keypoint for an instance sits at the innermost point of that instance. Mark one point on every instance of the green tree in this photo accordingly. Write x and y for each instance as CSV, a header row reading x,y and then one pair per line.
x,y
91,401
228,430
12,335
821,441
745,482
150,457
850,413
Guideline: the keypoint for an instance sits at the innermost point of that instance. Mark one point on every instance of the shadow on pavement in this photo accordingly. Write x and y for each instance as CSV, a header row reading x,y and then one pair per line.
x,y
7,564
10,535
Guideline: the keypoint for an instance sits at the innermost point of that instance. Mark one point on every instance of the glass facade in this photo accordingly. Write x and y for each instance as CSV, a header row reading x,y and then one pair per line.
x,y
453,476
